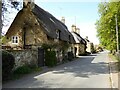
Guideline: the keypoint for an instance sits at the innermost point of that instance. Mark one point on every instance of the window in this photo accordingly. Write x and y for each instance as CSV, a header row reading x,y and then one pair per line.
x,y
15,39
58,34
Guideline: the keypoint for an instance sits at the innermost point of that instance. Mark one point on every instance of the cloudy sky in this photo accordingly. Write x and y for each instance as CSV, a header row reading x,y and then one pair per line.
x,y
83,13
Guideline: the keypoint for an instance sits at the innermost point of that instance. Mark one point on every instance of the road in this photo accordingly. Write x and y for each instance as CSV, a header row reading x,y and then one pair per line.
x,y
84,72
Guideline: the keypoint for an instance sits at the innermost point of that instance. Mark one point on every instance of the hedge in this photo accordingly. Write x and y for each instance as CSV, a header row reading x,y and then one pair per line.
x,y
50,58
8,62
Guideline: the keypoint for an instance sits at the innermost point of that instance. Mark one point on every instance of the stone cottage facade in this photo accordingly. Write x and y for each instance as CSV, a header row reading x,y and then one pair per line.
x,y
90,45
79,47
33,27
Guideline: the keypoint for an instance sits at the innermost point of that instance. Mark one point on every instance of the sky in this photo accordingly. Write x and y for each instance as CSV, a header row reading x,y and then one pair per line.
x,y
82,13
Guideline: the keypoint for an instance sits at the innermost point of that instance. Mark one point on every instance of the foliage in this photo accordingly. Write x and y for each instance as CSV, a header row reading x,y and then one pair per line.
x,y
64,45
8,62
106,25
23,70
49,46
3,39
50,58
8,8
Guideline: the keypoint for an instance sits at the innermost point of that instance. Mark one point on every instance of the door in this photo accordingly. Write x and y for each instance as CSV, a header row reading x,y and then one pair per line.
x,y
41,62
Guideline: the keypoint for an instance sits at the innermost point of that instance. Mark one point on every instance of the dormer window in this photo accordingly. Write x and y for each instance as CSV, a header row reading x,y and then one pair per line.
x,y
15,39
58,34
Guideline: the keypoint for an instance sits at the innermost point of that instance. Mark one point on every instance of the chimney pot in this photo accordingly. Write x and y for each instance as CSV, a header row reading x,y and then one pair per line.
x,y
73,28
63,20
28,3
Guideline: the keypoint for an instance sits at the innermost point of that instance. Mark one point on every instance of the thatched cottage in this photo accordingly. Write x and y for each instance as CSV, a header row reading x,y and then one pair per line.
x,y
34,27
80,44
90,45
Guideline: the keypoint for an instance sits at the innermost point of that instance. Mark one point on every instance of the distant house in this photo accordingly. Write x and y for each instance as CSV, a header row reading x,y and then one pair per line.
x,y
33,27
90,45
79,47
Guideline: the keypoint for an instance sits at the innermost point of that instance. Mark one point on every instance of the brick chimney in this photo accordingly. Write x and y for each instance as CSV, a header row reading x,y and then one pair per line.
x,y
28,4
73,28
63,20
78,30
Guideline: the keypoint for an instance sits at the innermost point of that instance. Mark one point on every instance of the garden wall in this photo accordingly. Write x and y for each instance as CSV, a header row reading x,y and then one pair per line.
x,y
25,57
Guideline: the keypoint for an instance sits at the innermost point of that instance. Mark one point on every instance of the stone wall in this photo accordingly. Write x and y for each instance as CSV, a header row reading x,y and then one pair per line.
x,y
25,57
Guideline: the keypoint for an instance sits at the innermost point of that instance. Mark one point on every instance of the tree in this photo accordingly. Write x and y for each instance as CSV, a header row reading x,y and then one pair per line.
x,y
8,8
106,26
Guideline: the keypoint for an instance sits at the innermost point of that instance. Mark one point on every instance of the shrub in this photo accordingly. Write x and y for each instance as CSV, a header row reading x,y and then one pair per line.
x,y
23,70
8,62
50,58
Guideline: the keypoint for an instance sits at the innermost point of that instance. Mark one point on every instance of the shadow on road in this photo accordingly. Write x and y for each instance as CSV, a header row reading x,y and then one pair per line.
x,y
83,67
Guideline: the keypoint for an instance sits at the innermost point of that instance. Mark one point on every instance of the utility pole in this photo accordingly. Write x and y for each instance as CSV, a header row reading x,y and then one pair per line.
x,y
117,38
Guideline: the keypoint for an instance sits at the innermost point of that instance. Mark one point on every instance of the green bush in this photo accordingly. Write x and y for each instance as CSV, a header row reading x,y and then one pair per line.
x,y
50,58
8,62
23,70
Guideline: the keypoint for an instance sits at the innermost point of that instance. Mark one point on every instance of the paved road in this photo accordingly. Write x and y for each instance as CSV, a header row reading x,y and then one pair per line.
x,y
84,72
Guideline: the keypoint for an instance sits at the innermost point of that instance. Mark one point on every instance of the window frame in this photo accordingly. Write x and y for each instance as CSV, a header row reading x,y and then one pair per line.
x,y
15,39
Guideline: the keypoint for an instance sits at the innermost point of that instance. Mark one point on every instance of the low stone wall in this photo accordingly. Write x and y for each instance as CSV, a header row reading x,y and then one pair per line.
x,y
25,57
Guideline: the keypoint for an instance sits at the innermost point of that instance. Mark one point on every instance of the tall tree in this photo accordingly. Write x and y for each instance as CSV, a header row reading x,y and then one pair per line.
x,y
8,7
106,26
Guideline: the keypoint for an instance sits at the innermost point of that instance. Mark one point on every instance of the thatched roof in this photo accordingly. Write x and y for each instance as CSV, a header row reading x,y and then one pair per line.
x,y
51,24
78,38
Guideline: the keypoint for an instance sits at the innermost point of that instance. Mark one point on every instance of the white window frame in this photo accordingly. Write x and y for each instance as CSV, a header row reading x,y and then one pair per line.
x,y
15,39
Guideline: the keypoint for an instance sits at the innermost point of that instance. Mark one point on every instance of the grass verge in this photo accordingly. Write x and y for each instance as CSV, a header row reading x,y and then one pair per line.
x,y
115,58
22,71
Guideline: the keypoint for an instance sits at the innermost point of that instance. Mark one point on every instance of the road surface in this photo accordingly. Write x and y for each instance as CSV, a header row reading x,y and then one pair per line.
x,y
84,72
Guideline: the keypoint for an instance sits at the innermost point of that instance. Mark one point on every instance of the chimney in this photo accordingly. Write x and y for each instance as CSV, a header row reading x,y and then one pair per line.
x,y
63,20
73,28
28,4
78,30
87,37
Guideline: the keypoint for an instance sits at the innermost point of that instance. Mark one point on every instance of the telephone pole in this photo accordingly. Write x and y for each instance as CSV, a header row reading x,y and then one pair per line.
x,y
117,38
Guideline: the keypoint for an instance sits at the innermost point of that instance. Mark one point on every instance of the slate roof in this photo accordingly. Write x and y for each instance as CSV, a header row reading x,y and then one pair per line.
x,y
51,24
78,38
